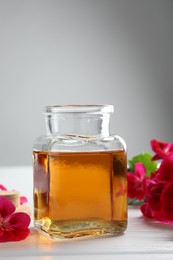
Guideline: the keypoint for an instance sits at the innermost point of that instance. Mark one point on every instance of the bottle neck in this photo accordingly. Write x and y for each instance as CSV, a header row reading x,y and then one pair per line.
x,y
79,125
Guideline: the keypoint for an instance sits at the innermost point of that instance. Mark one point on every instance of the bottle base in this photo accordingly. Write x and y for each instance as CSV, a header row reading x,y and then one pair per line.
x,y
79,229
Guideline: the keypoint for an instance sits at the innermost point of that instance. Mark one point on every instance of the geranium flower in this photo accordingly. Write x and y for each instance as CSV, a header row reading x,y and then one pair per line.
x,y
136,182
13,226
23,199
159,193
162,149
151,208
167,201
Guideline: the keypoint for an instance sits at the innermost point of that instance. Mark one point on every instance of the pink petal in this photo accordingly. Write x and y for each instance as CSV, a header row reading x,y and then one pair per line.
x,y
150,182
167,201
6,207
154,190
131,177
135,186
19,220
2,187
146,210
23,200
140,170
132,185
158,148
156,157
140,194
162,149
14,235
132,180
166,168
1,232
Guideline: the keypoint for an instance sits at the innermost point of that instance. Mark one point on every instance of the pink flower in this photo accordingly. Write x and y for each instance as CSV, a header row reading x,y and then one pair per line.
x,y
154,189
165,171
23,199
161,149
159,193
167,201
136,182
13,226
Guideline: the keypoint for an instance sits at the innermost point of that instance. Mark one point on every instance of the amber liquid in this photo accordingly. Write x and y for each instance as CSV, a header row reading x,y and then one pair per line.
x,y
80,194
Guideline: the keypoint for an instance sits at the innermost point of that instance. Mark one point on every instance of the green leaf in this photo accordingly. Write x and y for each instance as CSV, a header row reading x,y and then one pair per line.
x,y
144,158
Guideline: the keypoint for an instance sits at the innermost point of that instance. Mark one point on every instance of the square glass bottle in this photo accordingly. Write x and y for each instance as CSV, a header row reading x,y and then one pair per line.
x,y
80,174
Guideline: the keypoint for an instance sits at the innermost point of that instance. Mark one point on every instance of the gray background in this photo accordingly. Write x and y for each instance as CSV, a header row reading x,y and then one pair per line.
x,y
85,52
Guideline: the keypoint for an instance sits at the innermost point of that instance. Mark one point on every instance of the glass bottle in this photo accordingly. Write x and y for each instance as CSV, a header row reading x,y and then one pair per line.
x,y
80,174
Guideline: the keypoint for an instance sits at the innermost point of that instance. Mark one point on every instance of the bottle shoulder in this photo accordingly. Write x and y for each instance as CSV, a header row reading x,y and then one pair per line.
x,y
112,142
78,144
41,143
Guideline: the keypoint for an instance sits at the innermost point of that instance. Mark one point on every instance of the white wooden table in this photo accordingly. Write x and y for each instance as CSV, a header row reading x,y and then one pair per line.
x,y
144,239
